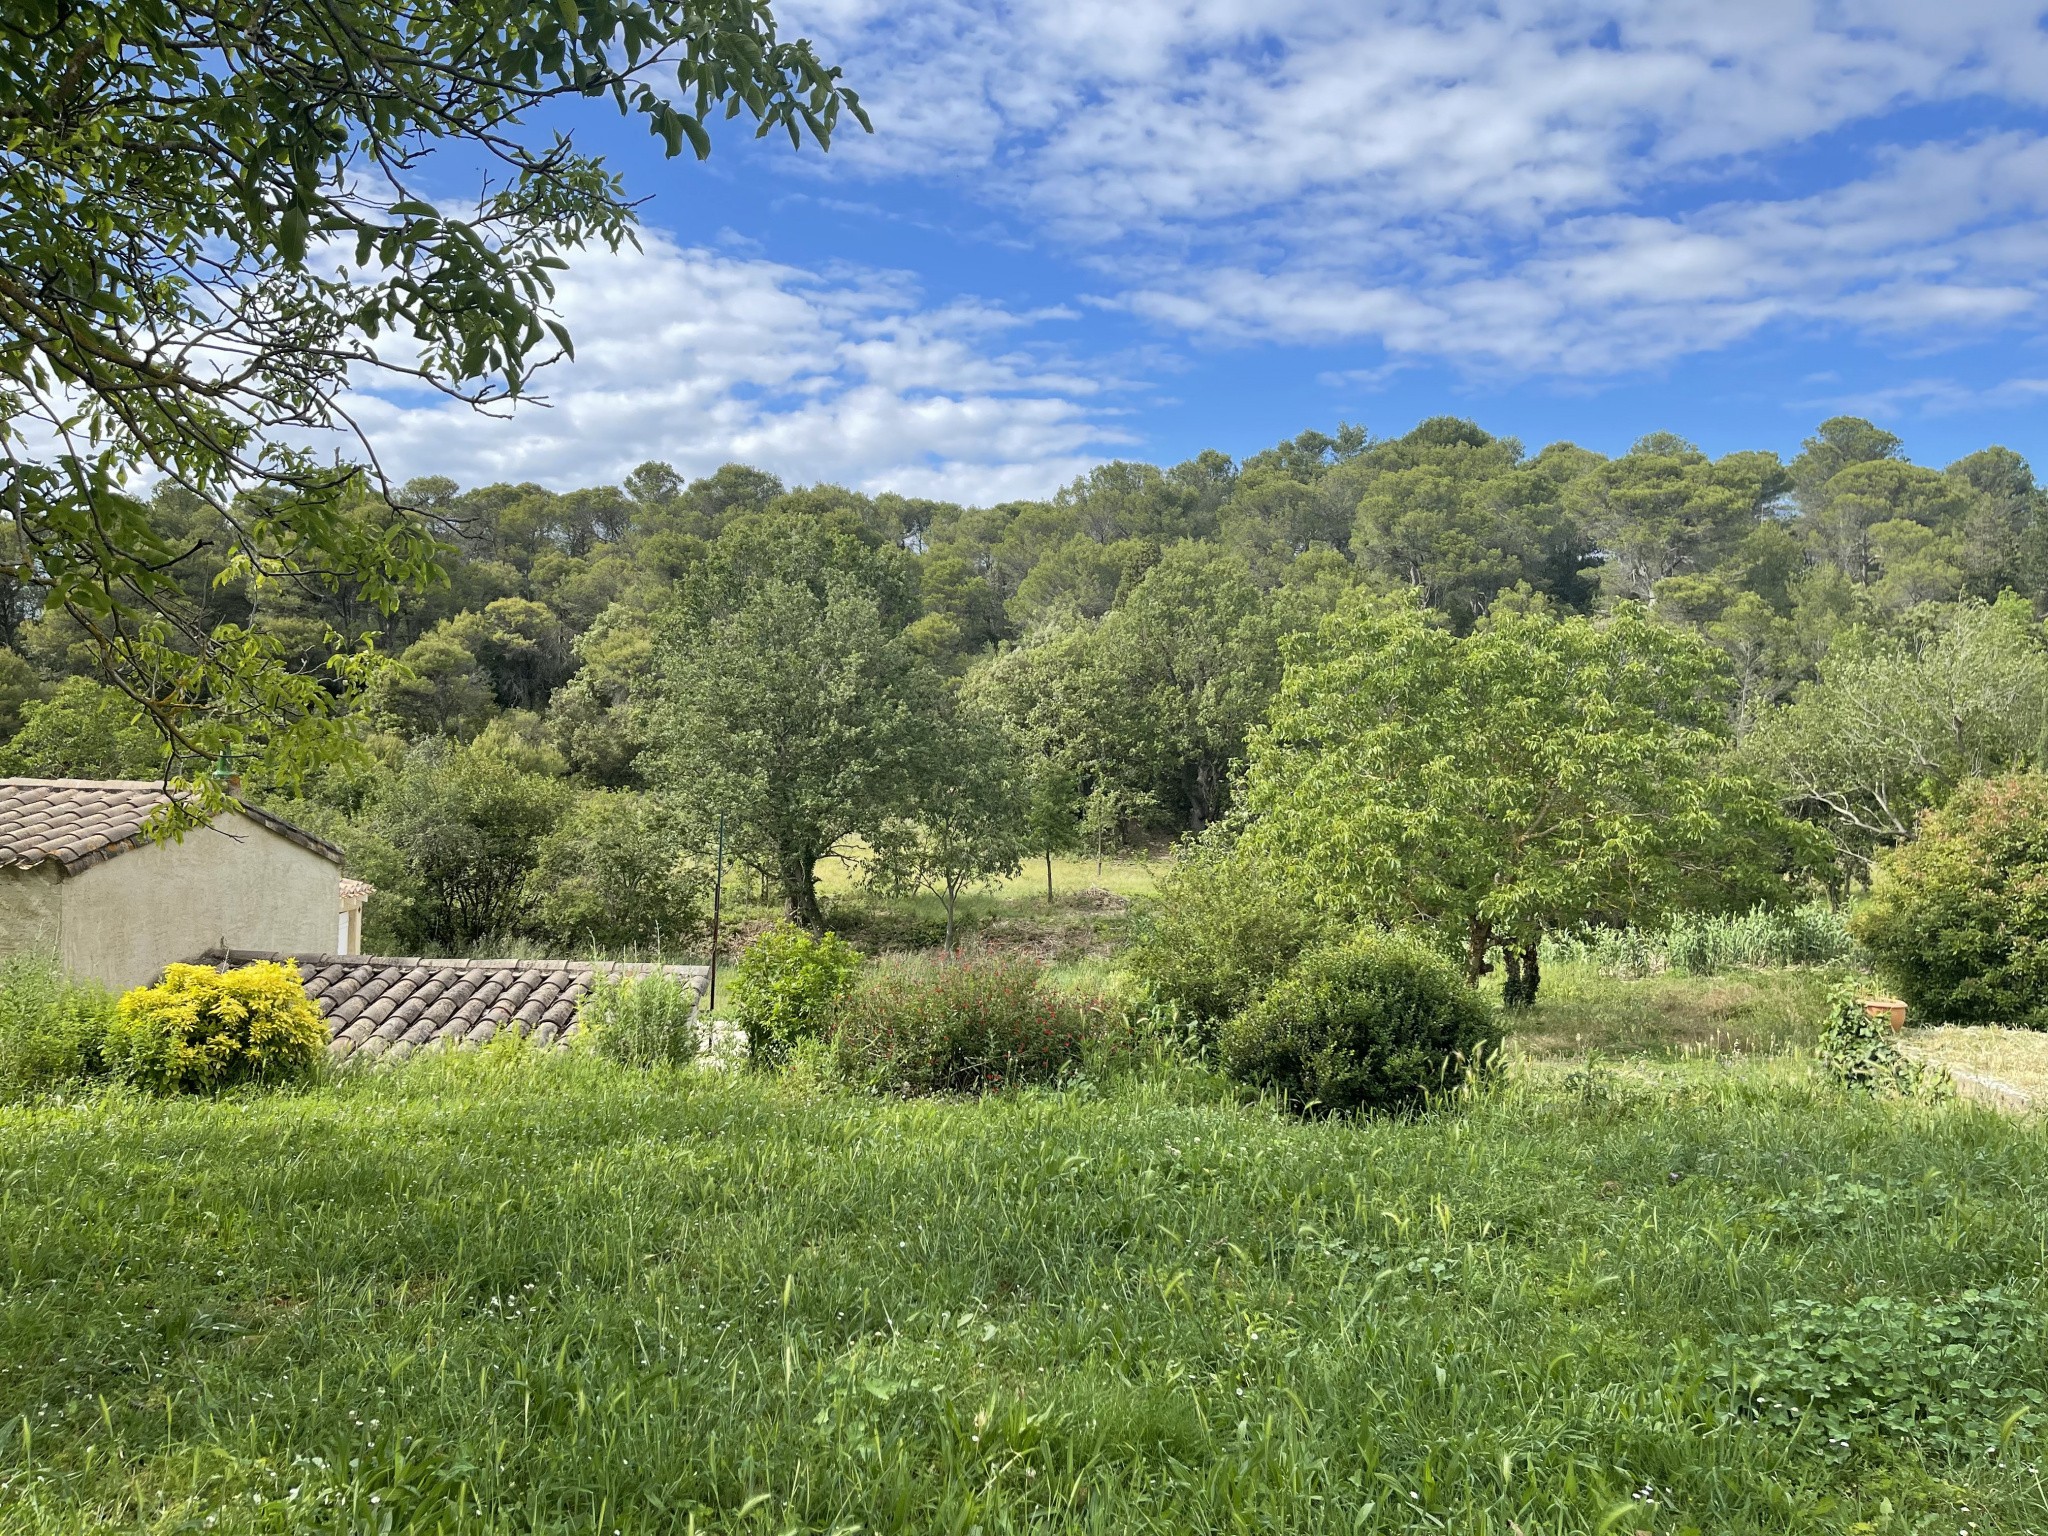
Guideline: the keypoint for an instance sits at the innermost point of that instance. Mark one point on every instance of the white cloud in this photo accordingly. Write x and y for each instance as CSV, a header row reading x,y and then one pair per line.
x,y
700,358
1905,250
1559,188
1932,397
1149,111
1525,185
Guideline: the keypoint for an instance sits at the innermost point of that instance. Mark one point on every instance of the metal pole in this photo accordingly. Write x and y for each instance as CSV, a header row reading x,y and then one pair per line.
x,y
717,901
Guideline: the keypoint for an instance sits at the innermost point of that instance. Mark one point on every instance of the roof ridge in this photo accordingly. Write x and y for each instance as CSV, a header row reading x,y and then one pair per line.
x,y
448,962
153,785
77,823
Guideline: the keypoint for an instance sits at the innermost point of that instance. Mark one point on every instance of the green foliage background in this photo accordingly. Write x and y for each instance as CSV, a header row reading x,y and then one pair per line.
x,y
609,672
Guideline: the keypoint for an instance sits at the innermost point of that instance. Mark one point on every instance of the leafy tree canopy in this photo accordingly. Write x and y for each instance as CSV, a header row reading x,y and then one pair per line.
x,y
213,214
1541,774
1898,719
965,823
803,716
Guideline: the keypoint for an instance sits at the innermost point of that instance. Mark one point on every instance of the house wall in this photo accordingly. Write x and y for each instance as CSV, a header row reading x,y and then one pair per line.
x,y
233,882
31,909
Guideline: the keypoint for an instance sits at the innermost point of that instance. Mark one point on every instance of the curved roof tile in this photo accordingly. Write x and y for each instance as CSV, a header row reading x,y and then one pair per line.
x,y
77,823
375,1006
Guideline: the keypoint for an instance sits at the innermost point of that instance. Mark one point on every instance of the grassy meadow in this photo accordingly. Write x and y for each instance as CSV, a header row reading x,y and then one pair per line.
x,y
1741,1014
507,1292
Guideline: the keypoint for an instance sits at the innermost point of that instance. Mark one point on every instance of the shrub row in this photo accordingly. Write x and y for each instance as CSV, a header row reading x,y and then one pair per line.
x,y
196,1031
912,1024
1378,1023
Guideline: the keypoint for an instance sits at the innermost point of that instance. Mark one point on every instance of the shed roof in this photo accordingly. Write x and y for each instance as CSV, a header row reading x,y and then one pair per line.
x,y
378,1006
77,823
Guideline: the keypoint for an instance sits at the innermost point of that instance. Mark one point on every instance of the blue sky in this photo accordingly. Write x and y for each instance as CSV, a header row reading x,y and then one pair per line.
x,y
1090,229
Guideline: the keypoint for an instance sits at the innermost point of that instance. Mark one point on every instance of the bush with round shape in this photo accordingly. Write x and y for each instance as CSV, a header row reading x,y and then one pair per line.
x,y
968,1025
1221,928
1957,920
785,987
200,1030
1374,1025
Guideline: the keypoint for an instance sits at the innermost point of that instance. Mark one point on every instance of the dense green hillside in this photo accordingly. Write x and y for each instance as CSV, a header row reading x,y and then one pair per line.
x,y
604,671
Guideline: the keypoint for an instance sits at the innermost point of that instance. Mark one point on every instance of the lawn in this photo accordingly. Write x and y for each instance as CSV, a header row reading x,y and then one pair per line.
x,y
1078,931
1580,1012
512,1293
1124,874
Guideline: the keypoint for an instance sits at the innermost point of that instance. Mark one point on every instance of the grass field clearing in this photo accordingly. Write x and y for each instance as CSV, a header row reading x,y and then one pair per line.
x,y
504,1293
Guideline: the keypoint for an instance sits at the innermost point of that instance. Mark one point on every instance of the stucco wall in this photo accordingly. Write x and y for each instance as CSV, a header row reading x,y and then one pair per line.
x,y
233,882
31,909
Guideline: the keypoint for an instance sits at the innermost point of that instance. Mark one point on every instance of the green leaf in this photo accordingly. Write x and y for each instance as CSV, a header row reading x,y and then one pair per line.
x,y
291,232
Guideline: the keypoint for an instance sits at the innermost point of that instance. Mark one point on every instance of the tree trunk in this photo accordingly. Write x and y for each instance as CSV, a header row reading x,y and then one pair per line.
x,y
952,898
800,893
1478,939
1048,877
1202,797
1525,975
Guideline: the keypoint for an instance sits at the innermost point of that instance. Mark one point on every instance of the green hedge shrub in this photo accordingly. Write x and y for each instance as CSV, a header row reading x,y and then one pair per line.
x,y
53,1031
785,987
640,1021
612,876
1374,1025
1957,920
1219,930
200,1030
918,1025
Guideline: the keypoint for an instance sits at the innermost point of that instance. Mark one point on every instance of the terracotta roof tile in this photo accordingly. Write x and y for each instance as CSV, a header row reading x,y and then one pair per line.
x,y
77,823
377,1007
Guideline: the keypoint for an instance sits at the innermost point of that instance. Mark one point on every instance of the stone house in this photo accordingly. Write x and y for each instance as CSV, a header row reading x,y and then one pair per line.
x,y
79,878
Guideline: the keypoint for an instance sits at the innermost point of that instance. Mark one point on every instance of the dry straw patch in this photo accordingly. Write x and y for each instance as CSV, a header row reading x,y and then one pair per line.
x,y
2008,1067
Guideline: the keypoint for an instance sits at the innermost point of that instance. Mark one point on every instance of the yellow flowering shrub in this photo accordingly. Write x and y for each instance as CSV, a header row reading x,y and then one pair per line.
x,y
199,1030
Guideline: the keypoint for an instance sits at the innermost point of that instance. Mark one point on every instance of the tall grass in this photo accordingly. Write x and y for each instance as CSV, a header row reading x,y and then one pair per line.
x,y
640,1021
503,1291
53,1030
974,1024
1767,938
